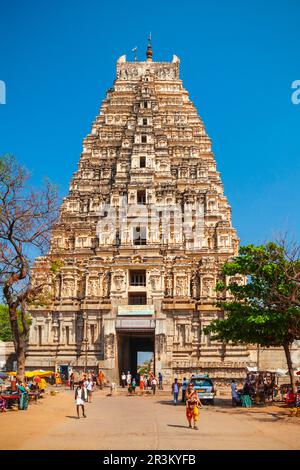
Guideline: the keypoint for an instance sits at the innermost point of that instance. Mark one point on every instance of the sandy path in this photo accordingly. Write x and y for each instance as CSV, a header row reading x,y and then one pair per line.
x,y
17,428
151,423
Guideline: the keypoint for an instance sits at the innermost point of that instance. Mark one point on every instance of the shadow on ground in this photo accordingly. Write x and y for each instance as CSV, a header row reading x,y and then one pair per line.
x,y
177,426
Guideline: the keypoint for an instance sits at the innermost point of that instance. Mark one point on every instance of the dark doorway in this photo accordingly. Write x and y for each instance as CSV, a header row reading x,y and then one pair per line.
x,y
129,345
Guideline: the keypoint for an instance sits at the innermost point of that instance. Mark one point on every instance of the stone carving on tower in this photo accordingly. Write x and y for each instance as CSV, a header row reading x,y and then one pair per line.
x,y
142,235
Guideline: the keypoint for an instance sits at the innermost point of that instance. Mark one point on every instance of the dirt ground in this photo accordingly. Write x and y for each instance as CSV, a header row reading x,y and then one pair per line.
x,y
135,422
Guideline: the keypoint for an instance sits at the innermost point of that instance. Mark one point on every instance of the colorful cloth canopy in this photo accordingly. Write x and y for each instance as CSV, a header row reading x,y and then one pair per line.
x,y
33,373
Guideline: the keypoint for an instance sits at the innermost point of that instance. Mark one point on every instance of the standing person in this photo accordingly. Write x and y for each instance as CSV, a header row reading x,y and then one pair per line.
x,y
142,384
94,378
160,381
24,397
175,390
72,381
89,385
123,379
234,393
100,379
153,385
192,405
133,384
183,388
42,385
145,382
128,378
57,379
80,398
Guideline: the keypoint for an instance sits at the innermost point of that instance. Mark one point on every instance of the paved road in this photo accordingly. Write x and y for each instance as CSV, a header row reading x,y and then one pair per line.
x,y
123,422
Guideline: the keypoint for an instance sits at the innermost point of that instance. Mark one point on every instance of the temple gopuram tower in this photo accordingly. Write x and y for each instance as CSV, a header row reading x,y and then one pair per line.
x,y
140,241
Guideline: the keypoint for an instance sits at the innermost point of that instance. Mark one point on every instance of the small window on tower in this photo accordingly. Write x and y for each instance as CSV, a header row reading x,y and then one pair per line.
x,y
139,236
67,335
138,278
141,196
137,298
145,121
142,162
145,104
144,139
92,333
40,335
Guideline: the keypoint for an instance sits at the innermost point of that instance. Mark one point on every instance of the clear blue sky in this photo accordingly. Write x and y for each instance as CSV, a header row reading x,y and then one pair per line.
x,y
238,61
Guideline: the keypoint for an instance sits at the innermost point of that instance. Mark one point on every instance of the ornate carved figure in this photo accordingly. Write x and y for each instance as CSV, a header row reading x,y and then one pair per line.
x,y
109,346
119,281
93,289
68,289
154,282
169,284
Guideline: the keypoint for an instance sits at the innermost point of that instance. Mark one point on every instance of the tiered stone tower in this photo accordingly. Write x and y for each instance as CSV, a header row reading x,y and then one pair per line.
x,y
141,239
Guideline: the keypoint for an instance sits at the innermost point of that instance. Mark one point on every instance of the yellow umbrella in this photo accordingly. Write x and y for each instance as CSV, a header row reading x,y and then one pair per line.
x,y
33,373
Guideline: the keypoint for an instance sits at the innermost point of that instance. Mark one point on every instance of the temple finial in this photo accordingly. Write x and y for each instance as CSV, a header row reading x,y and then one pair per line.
x,y
149,49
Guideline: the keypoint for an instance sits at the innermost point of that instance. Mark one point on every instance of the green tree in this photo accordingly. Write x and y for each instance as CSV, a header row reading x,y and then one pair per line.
x,y
265,310
5,328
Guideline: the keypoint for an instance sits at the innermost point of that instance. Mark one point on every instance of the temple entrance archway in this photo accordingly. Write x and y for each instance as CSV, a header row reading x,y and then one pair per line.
x,y
129,345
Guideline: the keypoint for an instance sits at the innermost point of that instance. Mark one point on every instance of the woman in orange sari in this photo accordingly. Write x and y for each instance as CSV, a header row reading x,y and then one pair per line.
x,y
192,405
142,384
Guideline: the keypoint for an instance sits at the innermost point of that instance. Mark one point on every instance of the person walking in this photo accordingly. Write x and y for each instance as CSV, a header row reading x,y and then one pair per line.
x,y
234,394
160,381
183,389
123,379
133,384
192,405
175,390
100,379
80,398
153,385
72,381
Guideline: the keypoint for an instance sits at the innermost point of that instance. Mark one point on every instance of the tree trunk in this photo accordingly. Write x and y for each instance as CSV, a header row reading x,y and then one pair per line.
x,y
287,351
21,356
19,343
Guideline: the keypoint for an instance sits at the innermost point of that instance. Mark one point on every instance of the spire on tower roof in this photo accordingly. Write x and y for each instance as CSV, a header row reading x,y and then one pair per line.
x,y
149,49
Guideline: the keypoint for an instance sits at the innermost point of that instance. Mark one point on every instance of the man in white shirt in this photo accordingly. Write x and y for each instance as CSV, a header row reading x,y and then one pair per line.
x,y
123,379
89,385
153,385
128,378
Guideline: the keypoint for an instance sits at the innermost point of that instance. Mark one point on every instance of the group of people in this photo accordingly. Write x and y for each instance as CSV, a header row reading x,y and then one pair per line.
x,y
146,382
189,397
33,387
259,390
176,386
96,379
